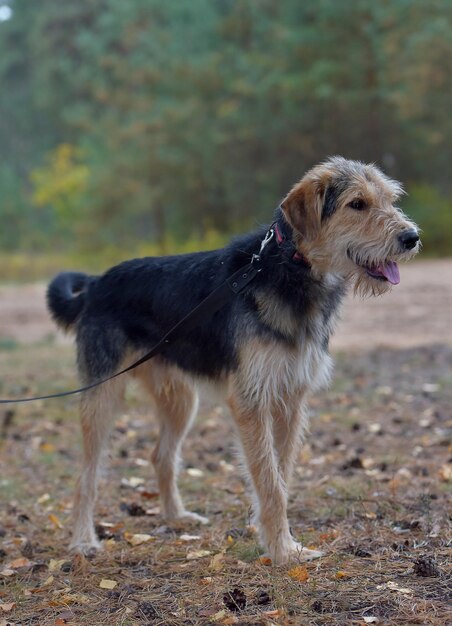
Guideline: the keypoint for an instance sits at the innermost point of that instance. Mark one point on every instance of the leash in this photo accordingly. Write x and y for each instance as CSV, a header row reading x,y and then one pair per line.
x,y
210,305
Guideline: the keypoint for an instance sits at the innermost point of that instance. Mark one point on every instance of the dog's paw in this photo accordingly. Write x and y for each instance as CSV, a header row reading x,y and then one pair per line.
x,y
294,553
87,548
194,517
301,554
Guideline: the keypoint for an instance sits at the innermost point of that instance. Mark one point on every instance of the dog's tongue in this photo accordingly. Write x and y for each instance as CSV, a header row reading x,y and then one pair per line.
x,y
390,271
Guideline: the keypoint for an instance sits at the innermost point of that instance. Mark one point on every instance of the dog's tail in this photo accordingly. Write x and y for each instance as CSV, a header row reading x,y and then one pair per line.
x,y
66,297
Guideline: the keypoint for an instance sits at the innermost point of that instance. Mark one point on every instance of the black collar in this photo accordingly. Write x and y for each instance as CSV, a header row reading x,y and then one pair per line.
x,y
284,239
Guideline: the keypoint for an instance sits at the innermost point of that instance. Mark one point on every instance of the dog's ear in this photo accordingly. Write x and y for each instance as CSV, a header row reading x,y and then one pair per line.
x,y
303,207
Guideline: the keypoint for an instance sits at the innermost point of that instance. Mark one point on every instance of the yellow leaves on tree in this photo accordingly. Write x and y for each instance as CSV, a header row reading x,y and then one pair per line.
x,y
61,182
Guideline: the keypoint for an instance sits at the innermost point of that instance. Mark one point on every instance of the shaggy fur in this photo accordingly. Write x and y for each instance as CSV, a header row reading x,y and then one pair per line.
x,y
264,351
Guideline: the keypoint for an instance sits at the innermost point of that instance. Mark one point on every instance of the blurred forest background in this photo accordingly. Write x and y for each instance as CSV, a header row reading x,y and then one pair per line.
x,y
144,126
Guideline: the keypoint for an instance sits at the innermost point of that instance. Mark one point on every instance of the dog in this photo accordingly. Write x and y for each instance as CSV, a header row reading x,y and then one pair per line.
x,y
264,351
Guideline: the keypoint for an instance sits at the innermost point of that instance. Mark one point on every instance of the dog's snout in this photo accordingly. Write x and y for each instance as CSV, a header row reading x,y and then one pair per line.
x,y
408,238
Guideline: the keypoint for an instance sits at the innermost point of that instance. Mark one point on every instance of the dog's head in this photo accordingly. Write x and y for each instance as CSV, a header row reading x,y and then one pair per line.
x,y
345,221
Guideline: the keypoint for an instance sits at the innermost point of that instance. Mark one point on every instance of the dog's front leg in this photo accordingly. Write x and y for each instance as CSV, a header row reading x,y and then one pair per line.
x,y
289,421
255,428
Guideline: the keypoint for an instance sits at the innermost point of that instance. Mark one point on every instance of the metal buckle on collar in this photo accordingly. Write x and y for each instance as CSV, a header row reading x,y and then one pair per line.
x,y
266,240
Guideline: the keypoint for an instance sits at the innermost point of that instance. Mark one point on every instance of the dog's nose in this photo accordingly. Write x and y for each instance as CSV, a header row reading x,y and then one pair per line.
x,y
409,239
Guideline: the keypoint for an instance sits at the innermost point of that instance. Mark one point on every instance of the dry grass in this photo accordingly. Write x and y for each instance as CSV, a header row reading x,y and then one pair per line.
x,y
370,489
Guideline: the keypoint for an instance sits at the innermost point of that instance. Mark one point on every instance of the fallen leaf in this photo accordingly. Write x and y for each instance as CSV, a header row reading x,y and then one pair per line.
x,y
265,560
189,537
217,562
195,472
105,583
329,536
445,472
138,538
154,511
8,572
48,581
299,574
274,613
219,615
149,495
395,587
370,619
6,607
55,564
340,574
141,462
55,521
44,498
19,563
207,580
133,482
75,598
47,447
197,554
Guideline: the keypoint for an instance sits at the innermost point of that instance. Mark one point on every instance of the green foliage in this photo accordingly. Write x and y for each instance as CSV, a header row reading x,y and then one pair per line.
x,y
187,118
433,213
61,183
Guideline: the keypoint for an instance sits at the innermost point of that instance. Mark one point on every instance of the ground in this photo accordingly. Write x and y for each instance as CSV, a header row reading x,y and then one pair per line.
x,y
370,490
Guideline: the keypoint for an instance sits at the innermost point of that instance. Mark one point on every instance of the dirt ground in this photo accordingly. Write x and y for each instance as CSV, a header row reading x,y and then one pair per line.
x,y
416,312
371,487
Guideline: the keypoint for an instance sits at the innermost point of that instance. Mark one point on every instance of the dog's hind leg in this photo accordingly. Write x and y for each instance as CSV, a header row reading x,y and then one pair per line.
x,y
176,404
97,408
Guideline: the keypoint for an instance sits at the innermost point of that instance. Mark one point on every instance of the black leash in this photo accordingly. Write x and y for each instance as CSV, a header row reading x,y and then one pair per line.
x,y
210,305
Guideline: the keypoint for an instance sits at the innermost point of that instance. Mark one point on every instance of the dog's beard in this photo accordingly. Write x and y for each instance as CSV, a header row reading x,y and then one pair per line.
x,y
365,286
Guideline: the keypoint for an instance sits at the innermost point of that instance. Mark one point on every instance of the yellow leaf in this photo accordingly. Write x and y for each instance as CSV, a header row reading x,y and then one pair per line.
x,y
195,472
217,562
299,574
340,574
445,473
105,583
55,564
219,616
47,447
75,598
138,538
197,554
55,521
48,582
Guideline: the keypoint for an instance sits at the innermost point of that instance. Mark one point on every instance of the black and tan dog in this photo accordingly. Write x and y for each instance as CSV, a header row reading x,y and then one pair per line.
x,y
263,352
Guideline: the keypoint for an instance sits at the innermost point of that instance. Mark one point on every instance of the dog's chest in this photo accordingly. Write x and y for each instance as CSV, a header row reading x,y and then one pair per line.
x,y
294,353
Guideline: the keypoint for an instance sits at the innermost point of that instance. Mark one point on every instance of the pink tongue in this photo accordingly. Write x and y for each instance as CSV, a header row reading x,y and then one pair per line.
x,y
390,271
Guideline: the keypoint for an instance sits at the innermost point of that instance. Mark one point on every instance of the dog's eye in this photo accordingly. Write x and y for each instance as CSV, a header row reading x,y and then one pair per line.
x,y
357,204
